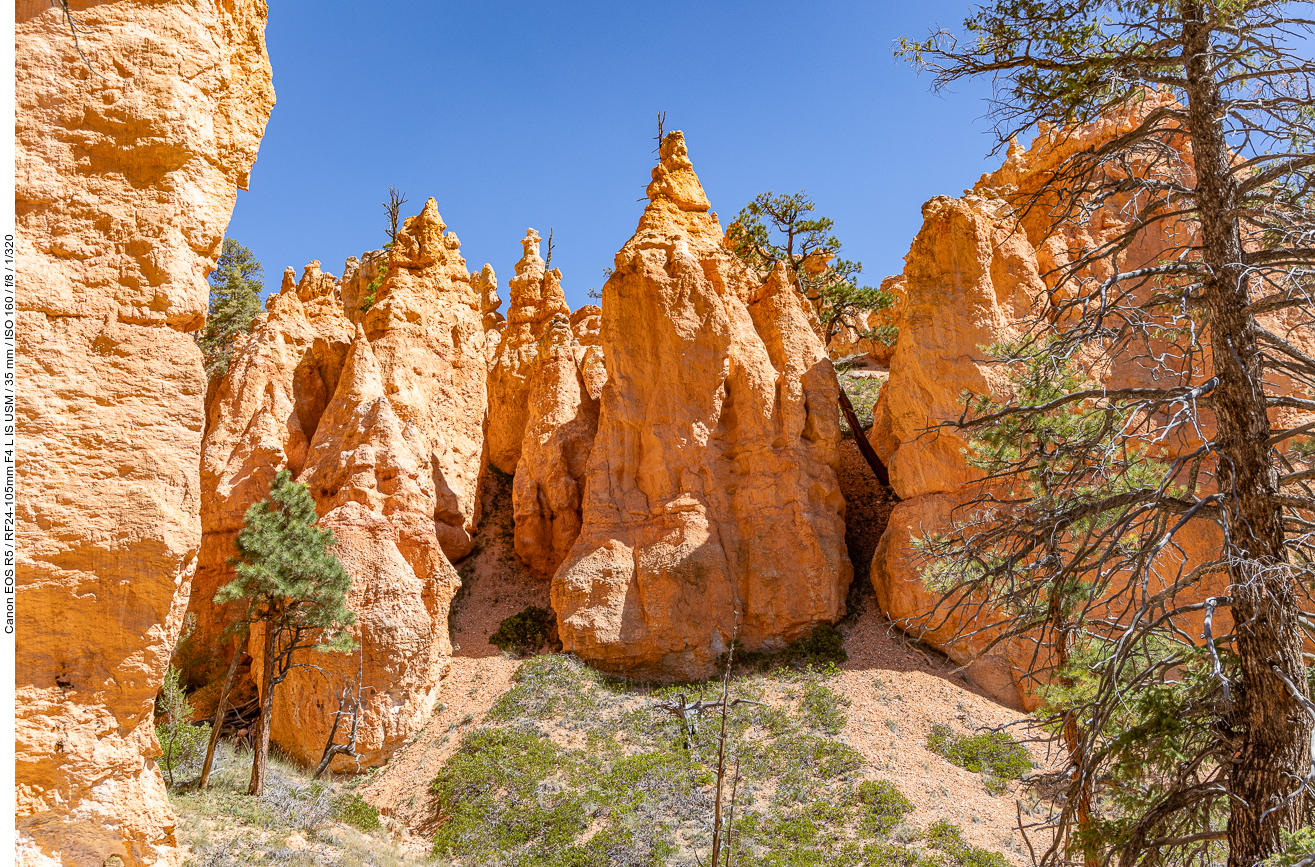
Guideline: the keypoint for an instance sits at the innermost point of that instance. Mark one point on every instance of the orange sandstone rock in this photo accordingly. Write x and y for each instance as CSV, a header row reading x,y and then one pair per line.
x,y
974,276
371,475
711,494
536,296
261,418
379,408
561,422
125,182
426,328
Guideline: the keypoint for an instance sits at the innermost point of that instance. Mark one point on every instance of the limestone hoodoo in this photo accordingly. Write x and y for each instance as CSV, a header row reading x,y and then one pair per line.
x,y
371,391
261,417
370,473
125,181
426,328
711,505
561,422
535,295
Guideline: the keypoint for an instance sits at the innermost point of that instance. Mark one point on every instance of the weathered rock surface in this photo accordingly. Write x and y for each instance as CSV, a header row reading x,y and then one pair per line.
x,y
125,181
711,489
261,418
587,326
561,422
535,297
379,408
426,328
973,278
371,474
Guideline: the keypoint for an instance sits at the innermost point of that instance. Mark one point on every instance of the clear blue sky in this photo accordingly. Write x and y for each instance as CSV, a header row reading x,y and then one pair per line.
x,y
516,114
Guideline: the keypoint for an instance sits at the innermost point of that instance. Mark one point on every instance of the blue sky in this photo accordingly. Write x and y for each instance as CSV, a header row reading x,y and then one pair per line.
x,y
516,114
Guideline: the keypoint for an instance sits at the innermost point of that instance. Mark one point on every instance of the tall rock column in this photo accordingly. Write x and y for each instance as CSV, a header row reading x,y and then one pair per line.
x,y
536,297
426,328
261,417
711,494
125,181
561,422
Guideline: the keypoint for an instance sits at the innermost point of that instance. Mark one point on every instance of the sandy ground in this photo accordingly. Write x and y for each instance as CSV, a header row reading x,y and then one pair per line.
x,y
899,688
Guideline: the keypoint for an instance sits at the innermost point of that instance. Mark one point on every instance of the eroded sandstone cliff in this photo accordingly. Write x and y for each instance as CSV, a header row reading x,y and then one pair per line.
x,y
977,274
371,390
711,506
125,180
535,298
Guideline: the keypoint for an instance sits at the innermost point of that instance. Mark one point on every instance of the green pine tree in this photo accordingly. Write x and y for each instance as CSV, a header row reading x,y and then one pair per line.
x,y
235,287
812,254
294,587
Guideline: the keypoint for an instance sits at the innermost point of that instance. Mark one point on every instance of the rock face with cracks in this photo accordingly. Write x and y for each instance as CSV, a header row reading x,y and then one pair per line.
x,y
711,506
125,181
371,475
561,422
426,328
261,417
973,276
379,408
536,297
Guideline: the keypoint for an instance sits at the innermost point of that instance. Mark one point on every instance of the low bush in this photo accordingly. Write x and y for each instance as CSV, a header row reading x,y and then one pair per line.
x,y
992,753
524,633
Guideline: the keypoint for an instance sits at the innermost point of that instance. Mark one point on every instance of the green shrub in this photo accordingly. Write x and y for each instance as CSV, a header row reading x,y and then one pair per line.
x,y
354,810
823,708
994,754
948,838
524,633
182,745
884,805
823,648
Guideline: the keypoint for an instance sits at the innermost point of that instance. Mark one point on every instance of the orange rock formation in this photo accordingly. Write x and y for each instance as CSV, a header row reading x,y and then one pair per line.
x,y
125,181
974,276
711,488
379,408
536,297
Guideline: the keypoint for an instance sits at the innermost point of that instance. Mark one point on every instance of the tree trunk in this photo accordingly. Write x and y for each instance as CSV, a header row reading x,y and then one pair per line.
x,y
218,723
261,753
1273,743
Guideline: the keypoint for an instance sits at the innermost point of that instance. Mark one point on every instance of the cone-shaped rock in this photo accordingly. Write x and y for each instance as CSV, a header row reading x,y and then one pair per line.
x,y
426,327
711,494
536,297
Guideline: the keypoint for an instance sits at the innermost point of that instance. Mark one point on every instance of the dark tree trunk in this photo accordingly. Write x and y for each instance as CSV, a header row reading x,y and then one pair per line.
x,y
218,723
261,753
1273,743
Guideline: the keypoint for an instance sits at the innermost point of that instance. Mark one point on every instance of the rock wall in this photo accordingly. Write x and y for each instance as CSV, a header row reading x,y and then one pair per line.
x,y
371,474
125,181
379,408
260,418
426,328
973,276
711,488
561,423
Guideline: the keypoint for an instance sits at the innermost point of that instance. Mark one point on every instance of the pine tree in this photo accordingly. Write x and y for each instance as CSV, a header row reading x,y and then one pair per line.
x,y
294,587
1176,742
811,254
235,287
